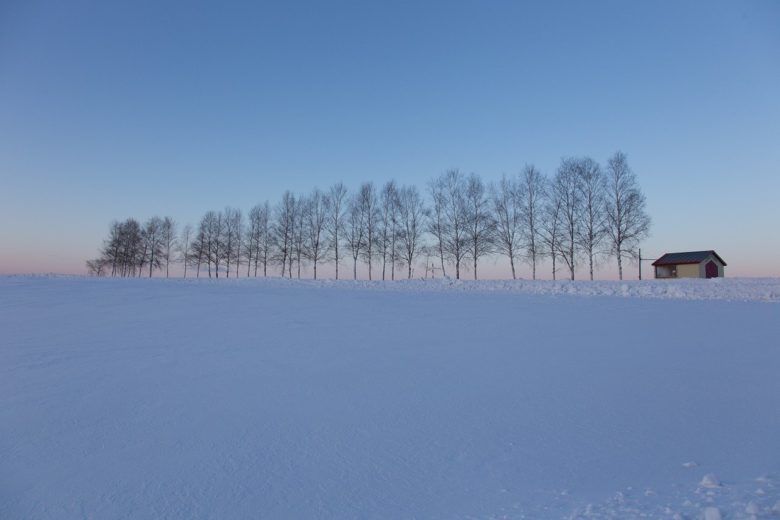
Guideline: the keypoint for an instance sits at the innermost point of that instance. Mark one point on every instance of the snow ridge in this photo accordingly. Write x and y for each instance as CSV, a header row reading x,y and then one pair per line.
x,y
722,289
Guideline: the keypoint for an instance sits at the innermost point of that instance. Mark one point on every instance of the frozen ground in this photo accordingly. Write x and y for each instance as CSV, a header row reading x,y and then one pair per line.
x,y
251,399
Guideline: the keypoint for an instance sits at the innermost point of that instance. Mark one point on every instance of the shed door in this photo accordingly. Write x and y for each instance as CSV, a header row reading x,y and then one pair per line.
x,y
711,269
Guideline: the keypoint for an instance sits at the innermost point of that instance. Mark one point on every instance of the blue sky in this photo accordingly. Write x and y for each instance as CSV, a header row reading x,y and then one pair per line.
x,y
110,110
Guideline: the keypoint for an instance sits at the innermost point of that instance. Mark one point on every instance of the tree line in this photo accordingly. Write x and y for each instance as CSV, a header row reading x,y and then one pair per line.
x,y
580,214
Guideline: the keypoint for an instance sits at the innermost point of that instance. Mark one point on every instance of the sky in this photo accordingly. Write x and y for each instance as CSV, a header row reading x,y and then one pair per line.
x,y
111,110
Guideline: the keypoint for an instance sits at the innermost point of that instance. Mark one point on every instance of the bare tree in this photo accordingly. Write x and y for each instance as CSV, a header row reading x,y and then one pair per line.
x,y
251,238
568,198
112,248
411,212
388,227
239,249
551,229
98,267
593,222
354,231
456,216
369,207
264,250
479,220
217,244
284,222
168,237
437,219
257,240
184,247
316,219
507,201
336,205
199,248
627,222
124,248
153,243
299,234
231,237
532,193
209,244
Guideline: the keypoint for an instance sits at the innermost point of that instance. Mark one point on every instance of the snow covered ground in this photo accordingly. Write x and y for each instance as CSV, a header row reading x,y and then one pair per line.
x,y
278,399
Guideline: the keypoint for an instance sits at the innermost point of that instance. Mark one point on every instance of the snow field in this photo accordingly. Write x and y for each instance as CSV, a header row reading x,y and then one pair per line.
x,y
278,399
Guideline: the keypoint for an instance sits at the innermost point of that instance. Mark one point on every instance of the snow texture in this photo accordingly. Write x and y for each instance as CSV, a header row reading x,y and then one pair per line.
x,y
279,399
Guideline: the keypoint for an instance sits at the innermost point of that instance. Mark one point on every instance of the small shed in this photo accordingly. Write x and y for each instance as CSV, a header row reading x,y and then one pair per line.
x,y
691,264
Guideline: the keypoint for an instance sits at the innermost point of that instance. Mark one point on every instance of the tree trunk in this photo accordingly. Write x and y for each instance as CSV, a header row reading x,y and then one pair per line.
x,y
571,265
591,267
392,258
512,262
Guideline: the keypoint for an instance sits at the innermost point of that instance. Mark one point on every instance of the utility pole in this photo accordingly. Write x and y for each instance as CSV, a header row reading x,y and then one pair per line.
x,y
643,260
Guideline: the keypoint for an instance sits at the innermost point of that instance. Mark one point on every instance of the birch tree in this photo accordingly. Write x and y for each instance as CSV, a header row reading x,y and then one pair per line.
x,y
411,213
299,234
437,225
532,193
506,201
455,219
284,222
198,247
592,229
184,247
153,244
168,237
213,229
388,227
257,239
231,238
316,219
479,220
627,222
568,199
551,230
264,250
336,205
122,249
354,231
370,211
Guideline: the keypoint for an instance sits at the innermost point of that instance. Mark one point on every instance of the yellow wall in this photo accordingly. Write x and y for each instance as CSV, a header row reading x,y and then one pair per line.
x,y
688,271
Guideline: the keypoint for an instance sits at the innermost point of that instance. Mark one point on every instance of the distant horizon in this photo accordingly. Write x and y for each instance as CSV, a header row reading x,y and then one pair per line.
x,y
489,270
